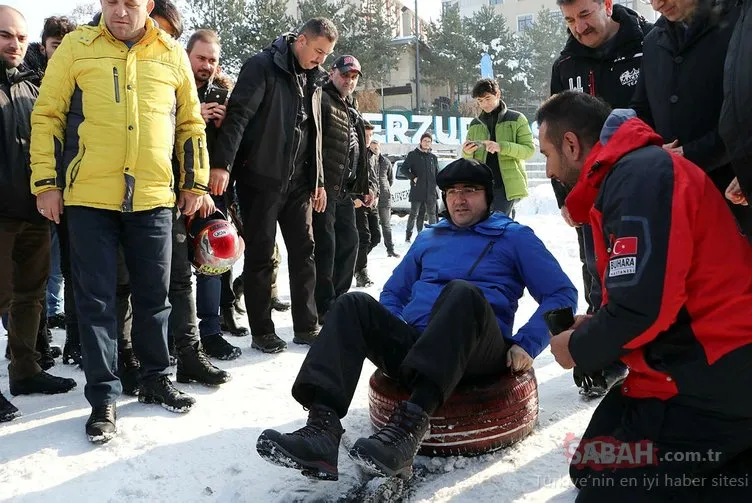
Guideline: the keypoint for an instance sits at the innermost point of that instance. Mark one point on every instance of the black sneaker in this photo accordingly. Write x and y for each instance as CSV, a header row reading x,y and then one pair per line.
x,y
101,426
8,411
392,449
392,253
313,449
129,371
217,347
228,323
362,280
44,336
306,337
56,321
279,305
41,383
160,390
408,238
268,343
193,365
72,347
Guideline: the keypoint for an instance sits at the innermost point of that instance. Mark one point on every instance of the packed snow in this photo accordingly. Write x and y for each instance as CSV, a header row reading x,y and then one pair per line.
x,y
209,454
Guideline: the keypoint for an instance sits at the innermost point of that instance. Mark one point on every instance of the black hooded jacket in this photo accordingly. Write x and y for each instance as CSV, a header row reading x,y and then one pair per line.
x,y
609,72
259,141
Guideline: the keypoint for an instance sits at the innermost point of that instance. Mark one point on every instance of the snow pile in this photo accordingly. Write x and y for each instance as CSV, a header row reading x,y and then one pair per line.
x,y
540,201
209,454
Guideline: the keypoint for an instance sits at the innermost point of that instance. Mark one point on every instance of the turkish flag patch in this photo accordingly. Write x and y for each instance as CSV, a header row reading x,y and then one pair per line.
x,y
624,246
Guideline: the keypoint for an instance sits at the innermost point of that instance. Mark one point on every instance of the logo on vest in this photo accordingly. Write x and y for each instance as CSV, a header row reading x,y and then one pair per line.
x,y
629,78
623,259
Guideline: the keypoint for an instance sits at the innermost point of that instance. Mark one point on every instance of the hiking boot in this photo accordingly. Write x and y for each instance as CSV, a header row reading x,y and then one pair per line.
x,y
101,425
193,365
216,346
279,306
41,383
362,280
8,411
55,351
56,320
72,347
308,337
408,238
313,449
392,253
228,323
161,391
237,290
268,343
129,370
392,449
44,336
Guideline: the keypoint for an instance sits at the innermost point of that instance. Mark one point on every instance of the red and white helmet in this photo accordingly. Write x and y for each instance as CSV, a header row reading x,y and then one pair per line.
x,y
214,245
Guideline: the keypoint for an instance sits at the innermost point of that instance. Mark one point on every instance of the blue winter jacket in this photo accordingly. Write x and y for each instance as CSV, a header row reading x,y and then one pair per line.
x,y
499,256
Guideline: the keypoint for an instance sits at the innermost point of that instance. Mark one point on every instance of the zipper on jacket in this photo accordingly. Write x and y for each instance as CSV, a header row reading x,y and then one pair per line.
x,y
200,154
480,257
591,82
116,79
74,174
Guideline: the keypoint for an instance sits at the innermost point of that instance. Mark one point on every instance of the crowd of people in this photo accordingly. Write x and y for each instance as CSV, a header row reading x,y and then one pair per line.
x,y
122,150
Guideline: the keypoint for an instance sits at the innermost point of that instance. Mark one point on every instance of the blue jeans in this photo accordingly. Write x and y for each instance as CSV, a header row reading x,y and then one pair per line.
x,y
55,297
146,239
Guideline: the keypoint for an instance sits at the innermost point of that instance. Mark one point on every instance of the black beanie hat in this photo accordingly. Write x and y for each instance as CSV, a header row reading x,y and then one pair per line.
x,y
466,171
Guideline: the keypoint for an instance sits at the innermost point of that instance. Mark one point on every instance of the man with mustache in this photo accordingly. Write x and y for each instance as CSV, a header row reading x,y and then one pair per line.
x,y
601,58
443,317
24,232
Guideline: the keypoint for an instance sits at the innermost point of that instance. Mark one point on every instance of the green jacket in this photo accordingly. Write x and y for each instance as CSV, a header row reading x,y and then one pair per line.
x,y
516,141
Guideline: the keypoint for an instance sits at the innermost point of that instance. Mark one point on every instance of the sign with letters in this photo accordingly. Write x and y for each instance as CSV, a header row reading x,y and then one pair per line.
x,y
404,127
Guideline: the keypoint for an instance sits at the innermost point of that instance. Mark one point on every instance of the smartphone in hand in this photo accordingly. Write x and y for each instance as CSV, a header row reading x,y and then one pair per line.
x,y
216,95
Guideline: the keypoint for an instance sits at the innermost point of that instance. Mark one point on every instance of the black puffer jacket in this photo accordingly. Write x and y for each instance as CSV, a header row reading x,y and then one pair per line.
x,y
17,97
257,140
610,73
421,167
736,115
336,120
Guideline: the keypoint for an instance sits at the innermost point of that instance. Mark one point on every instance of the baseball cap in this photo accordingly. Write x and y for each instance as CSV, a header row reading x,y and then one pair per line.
x,y
347,63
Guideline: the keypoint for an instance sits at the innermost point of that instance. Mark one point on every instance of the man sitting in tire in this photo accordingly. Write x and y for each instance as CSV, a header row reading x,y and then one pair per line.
x,y
446,314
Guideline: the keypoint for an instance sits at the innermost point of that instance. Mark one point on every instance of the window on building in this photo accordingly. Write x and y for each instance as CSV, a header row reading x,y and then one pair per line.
x,y
496,2
558,16
524,22
626,3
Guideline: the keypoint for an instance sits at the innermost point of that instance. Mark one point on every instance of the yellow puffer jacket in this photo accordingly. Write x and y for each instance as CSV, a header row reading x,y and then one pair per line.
x,y
108,117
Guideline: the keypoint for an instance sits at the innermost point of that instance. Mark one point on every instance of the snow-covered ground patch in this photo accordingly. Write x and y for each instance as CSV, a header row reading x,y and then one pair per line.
x,y
209,454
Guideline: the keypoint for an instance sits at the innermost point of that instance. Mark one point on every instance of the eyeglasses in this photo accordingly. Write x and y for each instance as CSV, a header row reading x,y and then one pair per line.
x,y
464,191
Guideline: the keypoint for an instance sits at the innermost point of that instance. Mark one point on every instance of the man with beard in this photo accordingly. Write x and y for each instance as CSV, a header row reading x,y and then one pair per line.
x,y
24,231
601,58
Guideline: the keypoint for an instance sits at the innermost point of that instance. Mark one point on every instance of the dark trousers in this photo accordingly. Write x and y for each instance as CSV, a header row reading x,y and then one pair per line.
x,y
501,204
336,237
369,235
261,211
677,433
71,317
182,321
24,269
418,210
146,238
462,340
385,219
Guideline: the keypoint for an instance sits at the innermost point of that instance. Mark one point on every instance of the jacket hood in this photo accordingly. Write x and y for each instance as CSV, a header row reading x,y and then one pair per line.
x,y
35,60
632,29
495,225
631,135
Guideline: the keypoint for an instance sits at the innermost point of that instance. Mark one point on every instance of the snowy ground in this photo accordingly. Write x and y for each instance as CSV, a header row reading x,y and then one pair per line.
x,y
209,454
